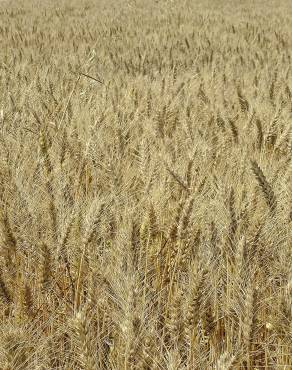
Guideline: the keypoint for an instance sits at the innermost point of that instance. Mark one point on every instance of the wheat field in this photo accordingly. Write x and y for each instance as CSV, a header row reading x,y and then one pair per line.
x,y
145,185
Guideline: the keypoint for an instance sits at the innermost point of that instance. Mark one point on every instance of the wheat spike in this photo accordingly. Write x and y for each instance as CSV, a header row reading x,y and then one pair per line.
x,y
82,340
265,186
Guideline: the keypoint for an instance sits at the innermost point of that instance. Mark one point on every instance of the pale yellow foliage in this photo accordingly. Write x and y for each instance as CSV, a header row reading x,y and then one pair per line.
x,y
145,184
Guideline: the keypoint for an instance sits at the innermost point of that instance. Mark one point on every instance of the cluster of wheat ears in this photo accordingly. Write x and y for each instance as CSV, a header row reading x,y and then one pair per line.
x,y
145,185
